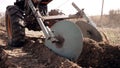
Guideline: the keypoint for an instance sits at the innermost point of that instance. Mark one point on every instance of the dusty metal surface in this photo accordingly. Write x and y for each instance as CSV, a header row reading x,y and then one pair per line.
x,y
73,40
89,31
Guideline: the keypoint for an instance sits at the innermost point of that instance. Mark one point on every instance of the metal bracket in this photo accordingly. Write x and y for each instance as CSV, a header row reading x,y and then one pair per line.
x,y
47,31
60,17
84,15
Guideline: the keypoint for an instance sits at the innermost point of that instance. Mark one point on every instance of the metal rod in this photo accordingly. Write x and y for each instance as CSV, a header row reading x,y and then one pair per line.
x,y
59,17
102,11
84,15
38,16
79,10
46,30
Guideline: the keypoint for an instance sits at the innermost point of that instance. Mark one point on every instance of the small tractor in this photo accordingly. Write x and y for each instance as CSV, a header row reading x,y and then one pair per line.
x,y
62,36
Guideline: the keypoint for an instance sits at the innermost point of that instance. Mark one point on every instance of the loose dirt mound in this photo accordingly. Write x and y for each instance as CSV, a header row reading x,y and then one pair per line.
x,y
3,58
99,55
47,58
94,54
33,55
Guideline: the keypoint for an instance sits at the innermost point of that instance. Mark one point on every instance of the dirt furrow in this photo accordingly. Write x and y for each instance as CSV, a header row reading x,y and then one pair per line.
x,y
34,54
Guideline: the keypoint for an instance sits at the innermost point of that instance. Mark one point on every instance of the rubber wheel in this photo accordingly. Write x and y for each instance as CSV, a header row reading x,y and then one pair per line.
x,y
15,32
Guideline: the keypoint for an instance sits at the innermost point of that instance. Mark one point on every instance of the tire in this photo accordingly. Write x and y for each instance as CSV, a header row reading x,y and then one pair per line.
x,y
15,32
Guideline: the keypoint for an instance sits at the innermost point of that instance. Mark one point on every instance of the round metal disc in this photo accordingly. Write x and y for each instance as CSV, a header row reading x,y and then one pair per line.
x,y
89,31
71,40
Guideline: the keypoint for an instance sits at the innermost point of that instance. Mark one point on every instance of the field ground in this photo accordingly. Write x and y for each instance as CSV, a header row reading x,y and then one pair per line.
x,y
113,34
35,55
110,25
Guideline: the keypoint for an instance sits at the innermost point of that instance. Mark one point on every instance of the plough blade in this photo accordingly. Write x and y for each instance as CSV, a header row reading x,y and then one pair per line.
x,y
70,40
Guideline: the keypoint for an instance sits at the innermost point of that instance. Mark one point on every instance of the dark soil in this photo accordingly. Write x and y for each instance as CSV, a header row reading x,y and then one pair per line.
x,y
99,55
3,58
35,55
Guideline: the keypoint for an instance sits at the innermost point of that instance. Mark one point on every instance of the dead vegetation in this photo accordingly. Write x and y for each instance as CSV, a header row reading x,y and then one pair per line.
x,y
112,20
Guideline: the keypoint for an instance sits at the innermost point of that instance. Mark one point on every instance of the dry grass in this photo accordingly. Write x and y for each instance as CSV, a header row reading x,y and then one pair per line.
x,y
110,26
112,34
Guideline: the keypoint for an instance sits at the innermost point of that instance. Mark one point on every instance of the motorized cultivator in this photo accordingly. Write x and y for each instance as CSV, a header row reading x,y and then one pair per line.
x,y
62,36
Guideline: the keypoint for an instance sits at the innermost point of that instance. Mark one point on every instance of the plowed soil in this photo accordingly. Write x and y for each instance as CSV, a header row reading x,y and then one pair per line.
x,y
35,55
